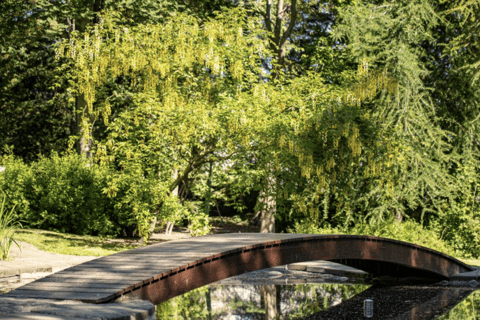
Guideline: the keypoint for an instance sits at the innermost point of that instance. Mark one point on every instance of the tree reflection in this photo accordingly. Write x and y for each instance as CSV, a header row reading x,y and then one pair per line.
x,y
402,303
269,299
467,309
271,302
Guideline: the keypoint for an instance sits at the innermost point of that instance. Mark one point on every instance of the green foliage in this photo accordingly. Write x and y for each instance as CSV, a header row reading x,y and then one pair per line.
x,y
38,112
459,226
198,220
468,309
61,194
191,305
7,230
374,116
16,182
408,231
311,298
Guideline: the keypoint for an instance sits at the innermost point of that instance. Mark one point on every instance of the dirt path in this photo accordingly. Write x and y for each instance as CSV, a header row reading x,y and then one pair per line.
x,y
30,259
29,263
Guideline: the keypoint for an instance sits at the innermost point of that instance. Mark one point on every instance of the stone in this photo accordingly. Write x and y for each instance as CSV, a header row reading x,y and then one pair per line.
x,y
473,283
54,309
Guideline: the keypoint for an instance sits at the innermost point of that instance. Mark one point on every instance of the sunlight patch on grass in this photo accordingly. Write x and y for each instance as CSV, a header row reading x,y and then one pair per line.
x,y
472,262
71,244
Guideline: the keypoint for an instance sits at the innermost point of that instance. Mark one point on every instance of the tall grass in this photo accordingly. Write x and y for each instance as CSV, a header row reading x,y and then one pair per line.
x,y
7,230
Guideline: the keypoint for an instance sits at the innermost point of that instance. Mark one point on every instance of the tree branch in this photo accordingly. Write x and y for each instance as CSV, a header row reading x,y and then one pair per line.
x,y
293,20
268,15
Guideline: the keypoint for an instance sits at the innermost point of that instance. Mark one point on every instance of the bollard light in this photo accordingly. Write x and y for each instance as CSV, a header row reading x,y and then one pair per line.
x,y
368,308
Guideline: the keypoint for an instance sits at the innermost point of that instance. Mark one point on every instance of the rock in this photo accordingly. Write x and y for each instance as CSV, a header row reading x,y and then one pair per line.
x,y
443,283
473,283
343,279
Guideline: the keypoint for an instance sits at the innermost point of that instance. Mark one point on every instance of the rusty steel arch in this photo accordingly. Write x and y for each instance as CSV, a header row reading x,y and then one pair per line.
x,y
162,271
378,256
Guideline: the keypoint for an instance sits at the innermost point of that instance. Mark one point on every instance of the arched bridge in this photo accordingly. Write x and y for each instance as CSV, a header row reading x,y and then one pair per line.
x,y
160,272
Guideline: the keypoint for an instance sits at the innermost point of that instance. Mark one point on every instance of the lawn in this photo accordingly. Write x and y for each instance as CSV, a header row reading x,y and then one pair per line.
x,y
72,244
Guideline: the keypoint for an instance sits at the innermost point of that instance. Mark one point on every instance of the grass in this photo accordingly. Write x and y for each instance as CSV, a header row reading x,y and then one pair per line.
x,y
472,262
71,244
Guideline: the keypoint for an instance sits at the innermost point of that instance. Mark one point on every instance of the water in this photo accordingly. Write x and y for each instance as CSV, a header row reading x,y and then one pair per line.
x,y
322,301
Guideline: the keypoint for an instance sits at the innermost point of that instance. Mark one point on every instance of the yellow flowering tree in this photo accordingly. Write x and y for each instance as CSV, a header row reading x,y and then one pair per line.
x,y
203,96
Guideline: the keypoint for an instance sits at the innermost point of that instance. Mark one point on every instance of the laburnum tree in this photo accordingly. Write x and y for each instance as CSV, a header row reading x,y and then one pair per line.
x,y
38,114
203,97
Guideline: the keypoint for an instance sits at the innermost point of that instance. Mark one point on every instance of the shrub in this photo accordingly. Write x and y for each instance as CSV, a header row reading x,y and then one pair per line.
x,y
62,194
408,231
16,183
459,226
198,221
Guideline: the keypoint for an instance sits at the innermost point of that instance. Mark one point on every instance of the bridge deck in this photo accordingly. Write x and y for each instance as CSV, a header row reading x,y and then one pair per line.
x,y
158,272
105,278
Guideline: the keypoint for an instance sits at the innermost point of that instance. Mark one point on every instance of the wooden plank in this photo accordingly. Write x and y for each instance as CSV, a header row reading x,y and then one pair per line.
x,y
33,316
157,256
46,285
139,265
145,271
108,277
86,281
109,274
141,261
98,297
69,289
122,268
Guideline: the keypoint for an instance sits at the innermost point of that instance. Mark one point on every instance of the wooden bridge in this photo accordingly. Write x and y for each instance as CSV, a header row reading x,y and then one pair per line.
x,y
160,272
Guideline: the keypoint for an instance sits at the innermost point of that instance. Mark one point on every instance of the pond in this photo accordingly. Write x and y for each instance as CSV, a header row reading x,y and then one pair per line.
x,y
322,301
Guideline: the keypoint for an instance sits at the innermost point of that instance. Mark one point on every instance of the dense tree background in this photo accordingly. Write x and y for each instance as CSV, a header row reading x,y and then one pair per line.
x,y
354,116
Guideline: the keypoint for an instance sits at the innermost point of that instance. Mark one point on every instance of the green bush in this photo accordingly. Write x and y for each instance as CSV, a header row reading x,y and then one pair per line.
x,y
16,183
408,231
61,194
459,226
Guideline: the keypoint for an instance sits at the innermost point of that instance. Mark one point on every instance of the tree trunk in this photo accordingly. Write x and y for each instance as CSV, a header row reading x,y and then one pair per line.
x,y
153,224
267,204
274,24
267,213
84,146
269,293
208,296
171,224
398,216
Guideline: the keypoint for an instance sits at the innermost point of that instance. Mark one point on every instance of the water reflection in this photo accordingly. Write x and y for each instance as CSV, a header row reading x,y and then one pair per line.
x,y
399,303
251,302
469,308
321,301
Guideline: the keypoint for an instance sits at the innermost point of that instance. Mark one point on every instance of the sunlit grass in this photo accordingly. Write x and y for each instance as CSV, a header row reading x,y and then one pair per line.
x,y
472,262
64,243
